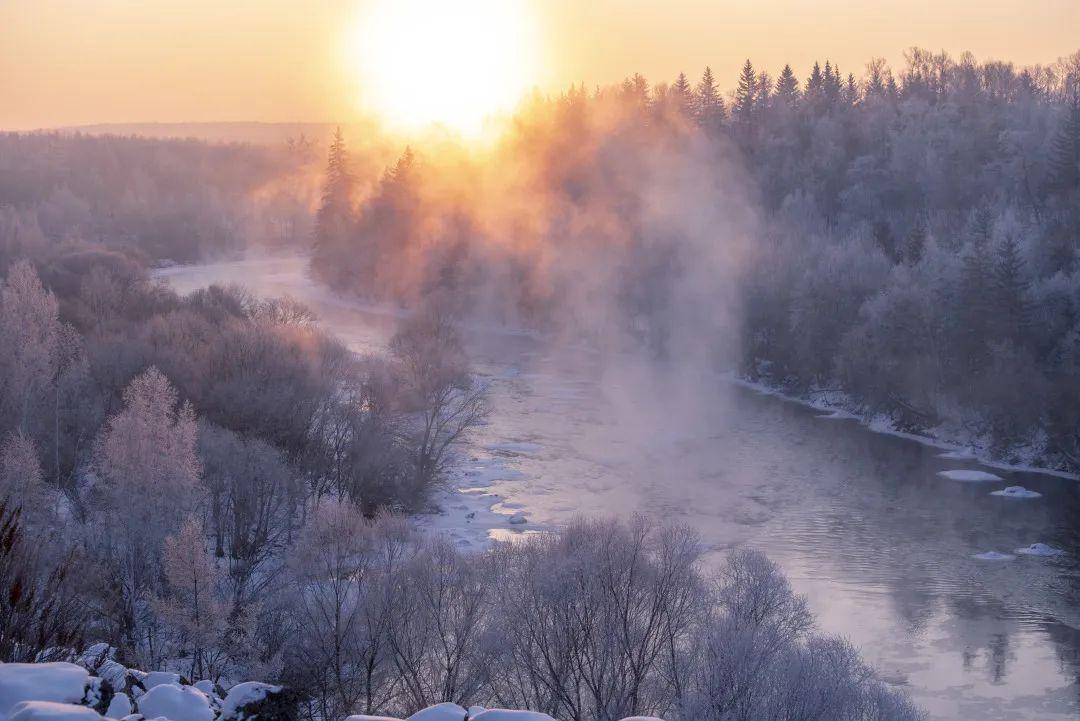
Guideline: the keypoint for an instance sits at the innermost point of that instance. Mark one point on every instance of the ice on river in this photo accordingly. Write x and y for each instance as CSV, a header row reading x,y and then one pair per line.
x,y
969,475
994,556
1040,549
1016,492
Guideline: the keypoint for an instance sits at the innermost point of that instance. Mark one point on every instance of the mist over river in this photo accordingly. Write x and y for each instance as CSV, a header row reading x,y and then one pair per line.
x,y
861,522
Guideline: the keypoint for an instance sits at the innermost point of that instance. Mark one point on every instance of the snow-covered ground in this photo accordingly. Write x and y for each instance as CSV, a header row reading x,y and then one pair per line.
x,y
886,550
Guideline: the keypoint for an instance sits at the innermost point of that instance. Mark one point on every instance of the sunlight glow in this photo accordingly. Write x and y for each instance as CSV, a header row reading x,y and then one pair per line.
x,y
433,62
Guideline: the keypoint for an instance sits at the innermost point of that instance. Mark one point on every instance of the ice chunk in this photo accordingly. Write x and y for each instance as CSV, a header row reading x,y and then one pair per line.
x,y
1016,492
60,682
176,703
119,707
51,711
1040,549
968,475
440,712
502,714
994,556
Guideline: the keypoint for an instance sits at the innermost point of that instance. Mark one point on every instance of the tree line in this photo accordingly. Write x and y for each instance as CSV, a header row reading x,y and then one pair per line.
x,y
904,239
152,441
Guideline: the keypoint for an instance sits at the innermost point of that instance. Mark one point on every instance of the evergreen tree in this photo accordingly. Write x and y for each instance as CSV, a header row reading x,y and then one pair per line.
x,y
742,111
787,87
710,106
1012,309
1065,155
815,88
682,95
335,209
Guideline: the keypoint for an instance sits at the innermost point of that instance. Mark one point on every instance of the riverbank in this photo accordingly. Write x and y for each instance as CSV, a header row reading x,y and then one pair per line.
x,y
839,406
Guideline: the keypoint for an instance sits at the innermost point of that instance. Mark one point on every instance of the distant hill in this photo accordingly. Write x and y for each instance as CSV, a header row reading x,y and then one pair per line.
x,y
227,132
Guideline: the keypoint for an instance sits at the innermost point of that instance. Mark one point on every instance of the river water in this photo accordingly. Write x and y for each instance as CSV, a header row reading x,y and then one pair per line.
x,y
861,522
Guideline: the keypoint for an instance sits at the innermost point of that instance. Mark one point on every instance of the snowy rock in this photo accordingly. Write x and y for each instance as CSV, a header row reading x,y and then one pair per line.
x,y
361,717
518,519
59,682
993,556
252,700
119,706
968,475
1040,549
206,686
1016,492
440,712
475,711
176,703
502,714
157,678
51,711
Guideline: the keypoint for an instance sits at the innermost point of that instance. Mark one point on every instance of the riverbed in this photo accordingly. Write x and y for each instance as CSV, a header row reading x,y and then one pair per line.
x,y
864,525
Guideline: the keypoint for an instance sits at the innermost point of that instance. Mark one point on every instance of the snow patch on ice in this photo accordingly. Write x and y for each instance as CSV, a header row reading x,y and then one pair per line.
x,y
1016,492
1040,549
969,475
993,556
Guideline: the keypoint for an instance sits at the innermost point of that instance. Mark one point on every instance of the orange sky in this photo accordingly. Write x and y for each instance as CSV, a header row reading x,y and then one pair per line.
x,y
69,62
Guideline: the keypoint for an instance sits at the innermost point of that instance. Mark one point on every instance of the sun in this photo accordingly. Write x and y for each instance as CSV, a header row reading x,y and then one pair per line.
x,y
452,63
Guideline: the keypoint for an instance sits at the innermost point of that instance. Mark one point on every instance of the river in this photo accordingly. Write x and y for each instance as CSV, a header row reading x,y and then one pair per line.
x,y
881,545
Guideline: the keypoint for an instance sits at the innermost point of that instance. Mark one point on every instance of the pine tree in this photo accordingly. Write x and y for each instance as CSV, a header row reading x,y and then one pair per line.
x,y
815,88
1012,306
787,87
1065,155
335,209
682,95
710,106
742,111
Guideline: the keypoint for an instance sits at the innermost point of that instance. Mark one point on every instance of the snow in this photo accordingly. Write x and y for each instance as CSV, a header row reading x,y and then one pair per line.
x,y
476,711
1040,549
515,447
242,694
440,712
361,717
1016,492
642,718
993,556
119,707
501,714
51,711
518,519
60,682
176,703
206,686
957,455
157,678
969,475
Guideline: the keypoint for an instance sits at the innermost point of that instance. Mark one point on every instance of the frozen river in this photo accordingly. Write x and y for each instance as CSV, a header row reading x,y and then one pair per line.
x,y
863,524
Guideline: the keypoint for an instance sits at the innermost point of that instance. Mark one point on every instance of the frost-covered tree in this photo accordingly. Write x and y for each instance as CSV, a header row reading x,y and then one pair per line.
x,y
192,603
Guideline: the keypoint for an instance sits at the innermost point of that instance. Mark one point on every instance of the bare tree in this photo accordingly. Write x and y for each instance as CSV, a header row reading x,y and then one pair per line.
x,y
438,389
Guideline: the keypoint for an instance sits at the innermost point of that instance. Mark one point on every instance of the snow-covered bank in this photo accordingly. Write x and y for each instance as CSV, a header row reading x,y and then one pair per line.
x,y
836,405
64,691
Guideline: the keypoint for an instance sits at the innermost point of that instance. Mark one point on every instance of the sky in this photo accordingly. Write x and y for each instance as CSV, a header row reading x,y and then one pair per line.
x,y
73,62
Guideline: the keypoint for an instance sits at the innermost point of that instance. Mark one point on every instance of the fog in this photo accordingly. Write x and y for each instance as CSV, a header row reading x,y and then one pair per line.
x,y
486,339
